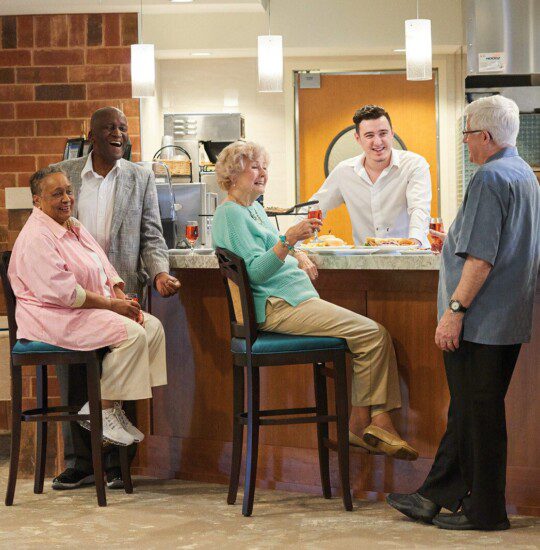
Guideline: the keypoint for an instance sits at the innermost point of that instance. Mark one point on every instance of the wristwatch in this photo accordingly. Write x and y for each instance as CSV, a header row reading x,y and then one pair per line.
x,y
456,306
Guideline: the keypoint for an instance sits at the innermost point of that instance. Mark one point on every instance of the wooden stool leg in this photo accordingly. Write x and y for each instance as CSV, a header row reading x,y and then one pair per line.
x,y
321,403
124,467
16,410
42,390
96,427
238,432
252,438
342,412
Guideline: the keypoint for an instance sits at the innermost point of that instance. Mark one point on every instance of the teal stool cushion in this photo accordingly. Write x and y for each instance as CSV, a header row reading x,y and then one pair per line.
x,y
272,342
31,346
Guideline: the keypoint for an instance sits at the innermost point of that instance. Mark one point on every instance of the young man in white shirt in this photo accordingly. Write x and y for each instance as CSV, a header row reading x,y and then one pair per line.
x,y
387,191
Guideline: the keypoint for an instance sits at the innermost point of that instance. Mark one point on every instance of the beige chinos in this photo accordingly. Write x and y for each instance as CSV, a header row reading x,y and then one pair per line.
x,y
375,378
136,364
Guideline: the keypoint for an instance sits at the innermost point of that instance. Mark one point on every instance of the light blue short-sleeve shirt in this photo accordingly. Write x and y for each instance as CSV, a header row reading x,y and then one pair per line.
x,y
498,222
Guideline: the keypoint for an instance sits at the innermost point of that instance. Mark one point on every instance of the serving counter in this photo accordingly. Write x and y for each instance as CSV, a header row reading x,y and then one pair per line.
x,y
190,419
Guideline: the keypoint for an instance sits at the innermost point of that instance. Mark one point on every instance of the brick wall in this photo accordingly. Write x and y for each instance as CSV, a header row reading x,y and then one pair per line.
x,y
55,70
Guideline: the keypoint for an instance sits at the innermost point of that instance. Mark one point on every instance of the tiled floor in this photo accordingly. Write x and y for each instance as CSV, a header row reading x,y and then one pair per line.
x,y
181,514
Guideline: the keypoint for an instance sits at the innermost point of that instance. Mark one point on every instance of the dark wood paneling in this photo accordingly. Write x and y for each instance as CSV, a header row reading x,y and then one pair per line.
x,y
191,417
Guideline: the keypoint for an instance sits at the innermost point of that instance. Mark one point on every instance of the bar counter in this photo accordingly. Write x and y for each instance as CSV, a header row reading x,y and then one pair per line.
x,y
189,420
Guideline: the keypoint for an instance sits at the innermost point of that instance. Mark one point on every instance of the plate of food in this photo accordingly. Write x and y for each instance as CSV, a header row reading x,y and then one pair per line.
x,y
391,244
326,244
357,251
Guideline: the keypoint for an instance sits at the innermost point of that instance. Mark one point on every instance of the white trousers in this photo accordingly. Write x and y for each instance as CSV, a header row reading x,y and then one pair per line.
x,y
136,364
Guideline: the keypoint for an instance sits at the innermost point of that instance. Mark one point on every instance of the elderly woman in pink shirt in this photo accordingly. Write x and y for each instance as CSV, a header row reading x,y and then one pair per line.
x,y
69,295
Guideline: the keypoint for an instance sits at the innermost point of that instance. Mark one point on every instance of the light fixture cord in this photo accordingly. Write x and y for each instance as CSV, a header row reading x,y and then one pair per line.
x,y
269,33
141,41
417,11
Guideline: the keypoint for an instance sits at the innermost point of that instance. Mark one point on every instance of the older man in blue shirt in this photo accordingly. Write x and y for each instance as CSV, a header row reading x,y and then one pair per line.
x,y
487,282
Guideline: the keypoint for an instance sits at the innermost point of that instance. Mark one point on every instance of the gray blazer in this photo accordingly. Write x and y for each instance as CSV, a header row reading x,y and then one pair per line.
x,y
137,248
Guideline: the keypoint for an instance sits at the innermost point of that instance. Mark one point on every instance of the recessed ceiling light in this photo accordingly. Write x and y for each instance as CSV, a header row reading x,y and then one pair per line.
x,y
181,1
200,54
400,50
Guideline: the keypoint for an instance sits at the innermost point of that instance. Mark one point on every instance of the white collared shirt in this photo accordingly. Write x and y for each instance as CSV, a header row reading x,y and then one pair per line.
x,y
396,205
95,203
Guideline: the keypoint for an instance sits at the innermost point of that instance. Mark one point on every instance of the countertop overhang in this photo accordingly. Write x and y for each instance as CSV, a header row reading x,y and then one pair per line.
x,y
409,262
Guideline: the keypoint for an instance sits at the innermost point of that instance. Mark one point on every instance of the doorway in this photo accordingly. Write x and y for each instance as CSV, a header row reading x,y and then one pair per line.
x,y
323,127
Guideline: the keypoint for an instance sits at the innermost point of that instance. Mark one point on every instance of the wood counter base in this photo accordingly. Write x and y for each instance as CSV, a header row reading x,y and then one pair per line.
x,y
190,418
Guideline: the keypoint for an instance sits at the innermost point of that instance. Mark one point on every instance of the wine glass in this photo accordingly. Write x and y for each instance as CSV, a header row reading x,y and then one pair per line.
x,y
134,297
436,242
192,233
315,212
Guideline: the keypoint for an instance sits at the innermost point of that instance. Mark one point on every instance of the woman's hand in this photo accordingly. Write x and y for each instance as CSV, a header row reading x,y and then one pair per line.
x,y
441,234
303,230
119,293
305,264
127,308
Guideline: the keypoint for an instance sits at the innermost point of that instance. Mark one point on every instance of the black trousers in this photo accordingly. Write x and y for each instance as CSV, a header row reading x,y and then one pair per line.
x,y
470,466
77,446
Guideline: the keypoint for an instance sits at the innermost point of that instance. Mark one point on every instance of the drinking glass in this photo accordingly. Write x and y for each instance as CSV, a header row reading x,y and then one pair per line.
x,y
192,233
315,213
436,242
134,297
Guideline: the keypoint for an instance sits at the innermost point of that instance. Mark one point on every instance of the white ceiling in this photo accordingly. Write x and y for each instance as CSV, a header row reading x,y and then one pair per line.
x,y
20,7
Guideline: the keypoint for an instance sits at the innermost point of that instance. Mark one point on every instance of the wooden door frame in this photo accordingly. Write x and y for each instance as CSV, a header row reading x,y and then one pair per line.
x,y
297,72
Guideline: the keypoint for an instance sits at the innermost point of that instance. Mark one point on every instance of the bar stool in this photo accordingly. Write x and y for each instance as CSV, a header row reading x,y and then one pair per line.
x,y
252,349
40,354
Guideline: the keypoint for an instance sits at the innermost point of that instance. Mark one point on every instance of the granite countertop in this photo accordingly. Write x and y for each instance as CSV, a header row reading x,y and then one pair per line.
x,y
373,261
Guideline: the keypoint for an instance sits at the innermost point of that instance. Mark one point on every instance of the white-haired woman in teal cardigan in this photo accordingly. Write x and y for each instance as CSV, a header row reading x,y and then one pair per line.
x,y
287,302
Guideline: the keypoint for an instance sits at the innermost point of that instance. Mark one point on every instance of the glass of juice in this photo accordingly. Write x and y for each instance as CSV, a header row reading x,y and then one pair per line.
x,y
192,233
436,242
315,212
134,297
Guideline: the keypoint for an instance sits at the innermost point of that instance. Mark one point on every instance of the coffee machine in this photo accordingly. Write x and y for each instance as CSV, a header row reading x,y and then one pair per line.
x,y
202,136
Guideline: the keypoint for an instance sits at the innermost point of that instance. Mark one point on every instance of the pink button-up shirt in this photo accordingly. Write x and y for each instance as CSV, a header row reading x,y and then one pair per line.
x,y
50,270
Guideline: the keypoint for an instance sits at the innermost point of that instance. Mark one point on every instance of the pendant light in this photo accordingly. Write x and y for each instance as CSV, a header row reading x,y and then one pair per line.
x,y
270,61
143,67
418,48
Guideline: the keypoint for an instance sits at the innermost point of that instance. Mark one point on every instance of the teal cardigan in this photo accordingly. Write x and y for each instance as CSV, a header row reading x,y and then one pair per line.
x,y
248,233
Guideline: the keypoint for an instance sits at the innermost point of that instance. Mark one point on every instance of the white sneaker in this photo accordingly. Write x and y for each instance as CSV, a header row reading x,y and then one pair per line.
x,y
137,435
113,432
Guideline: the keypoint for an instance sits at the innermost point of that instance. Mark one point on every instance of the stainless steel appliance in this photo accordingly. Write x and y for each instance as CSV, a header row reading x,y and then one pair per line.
x,y
503,50
212,131
168,206
195,204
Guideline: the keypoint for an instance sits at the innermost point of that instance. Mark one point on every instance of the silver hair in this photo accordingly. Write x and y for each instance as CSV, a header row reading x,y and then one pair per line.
x,y
37,177
497,115
231,161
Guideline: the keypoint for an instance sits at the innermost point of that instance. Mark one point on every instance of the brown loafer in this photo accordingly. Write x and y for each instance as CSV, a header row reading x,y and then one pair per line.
x,y
389,444
356,441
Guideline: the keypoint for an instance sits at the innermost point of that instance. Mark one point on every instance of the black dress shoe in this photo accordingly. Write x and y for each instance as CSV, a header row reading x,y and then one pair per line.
x,y
114,479
414,506
72,479
460,522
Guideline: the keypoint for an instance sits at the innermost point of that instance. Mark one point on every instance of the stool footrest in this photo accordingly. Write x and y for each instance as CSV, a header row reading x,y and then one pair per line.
x,y
242,418
62,413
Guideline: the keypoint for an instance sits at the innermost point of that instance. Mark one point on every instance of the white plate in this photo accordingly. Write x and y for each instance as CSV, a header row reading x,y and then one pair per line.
x,y
179,251
325,249
361,251
383,248
204,251
417,252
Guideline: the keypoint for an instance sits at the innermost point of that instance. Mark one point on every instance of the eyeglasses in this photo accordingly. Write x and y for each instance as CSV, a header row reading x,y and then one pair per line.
x,y
466,132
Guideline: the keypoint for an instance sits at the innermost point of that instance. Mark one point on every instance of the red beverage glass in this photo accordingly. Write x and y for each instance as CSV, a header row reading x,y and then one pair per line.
x,y
134,297
315,213
192,233
436,242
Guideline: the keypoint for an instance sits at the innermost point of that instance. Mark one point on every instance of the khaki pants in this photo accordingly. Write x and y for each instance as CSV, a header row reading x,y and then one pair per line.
x,y
375,380
136,364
